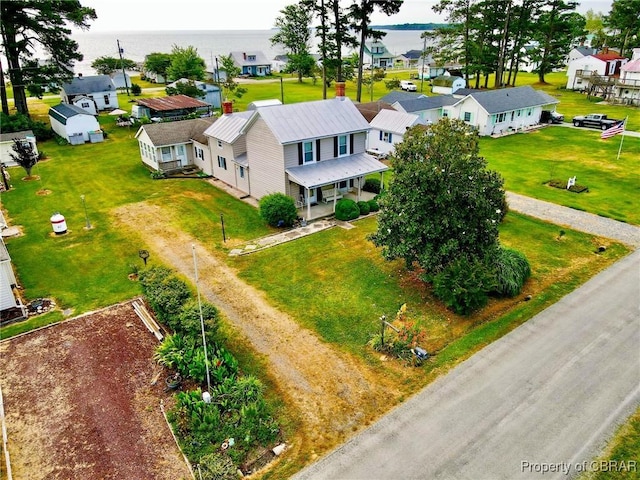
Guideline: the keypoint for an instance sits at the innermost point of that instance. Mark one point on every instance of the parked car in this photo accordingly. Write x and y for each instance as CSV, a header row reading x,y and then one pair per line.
x,y
551,116
594,120
408,86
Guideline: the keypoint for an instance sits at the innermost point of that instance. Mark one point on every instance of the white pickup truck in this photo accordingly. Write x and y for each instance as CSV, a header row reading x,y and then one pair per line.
x,y
408,86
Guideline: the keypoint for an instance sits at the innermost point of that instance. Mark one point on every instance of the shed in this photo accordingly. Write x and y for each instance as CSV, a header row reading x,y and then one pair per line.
x,y
74,124
447,84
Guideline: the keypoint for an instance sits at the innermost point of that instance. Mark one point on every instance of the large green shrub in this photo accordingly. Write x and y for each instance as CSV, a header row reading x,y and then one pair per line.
x,y
347,209
363,207
136,89
278,209
189,320
373,205
165,292
464,285
371,185
512,271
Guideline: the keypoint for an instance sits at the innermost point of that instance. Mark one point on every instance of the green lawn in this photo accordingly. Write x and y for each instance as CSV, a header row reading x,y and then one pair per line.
x,y
529,160
337,283
85,270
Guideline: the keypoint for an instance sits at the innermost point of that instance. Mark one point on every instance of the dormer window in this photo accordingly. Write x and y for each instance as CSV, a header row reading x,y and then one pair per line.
x,y
251,58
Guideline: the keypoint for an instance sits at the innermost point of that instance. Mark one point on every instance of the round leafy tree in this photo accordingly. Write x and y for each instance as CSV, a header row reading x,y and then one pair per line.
x,y
347,209
278,210
363,207
442,202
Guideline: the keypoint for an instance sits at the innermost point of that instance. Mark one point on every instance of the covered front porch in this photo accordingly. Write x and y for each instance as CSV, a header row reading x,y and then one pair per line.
x,y
317,187
322,210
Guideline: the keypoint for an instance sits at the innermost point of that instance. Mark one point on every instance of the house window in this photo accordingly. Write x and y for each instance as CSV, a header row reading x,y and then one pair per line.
x,y
342,145
529,112
501,117
106,100
308,152
85,104
467,116
166,154
445,113
387,137
199,152
241,169
222,162
219,143
251,58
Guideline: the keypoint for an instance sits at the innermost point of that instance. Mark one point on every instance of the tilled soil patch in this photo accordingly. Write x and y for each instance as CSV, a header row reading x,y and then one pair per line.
x,y
80,404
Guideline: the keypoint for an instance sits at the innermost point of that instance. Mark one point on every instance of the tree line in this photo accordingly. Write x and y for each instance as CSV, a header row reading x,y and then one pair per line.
x,y
486,36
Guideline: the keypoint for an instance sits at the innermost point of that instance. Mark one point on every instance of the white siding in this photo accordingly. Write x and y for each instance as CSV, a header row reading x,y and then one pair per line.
x,y
267,160
203,163
226,151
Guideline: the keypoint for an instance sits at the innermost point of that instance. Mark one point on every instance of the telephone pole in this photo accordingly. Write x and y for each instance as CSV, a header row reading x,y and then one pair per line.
x,y
124,75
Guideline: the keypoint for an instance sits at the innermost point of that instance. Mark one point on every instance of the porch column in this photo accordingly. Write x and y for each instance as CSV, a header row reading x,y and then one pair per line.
x,y
381,181
308,199
359,184
335,196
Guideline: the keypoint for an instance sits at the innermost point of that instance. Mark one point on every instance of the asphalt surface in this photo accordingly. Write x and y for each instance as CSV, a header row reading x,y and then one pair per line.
x,y
546,396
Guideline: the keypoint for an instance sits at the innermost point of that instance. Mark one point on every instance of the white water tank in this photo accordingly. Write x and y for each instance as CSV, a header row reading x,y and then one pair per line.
x,y
58,223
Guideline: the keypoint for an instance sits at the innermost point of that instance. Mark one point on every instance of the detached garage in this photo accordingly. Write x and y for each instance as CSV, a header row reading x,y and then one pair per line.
x,y
75,124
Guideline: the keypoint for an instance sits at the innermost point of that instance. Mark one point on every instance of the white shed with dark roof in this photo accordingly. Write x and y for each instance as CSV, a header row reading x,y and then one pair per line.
x,y
74,124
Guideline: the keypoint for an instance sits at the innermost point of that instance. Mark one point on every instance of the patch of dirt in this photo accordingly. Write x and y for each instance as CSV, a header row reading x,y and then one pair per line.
x,y
79,402
334,393
44,192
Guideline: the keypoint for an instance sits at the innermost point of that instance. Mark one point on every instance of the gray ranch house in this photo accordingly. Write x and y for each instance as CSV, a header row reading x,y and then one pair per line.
x,y
314,152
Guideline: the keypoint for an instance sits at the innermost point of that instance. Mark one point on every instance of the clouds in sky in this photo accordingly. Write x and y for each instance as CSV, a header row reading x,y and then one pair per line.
x,y
135,15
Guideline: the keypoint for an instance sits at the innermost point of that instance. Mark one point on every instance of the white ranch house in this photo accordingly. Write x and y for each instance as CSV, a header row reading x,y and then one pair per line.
x,y
388,128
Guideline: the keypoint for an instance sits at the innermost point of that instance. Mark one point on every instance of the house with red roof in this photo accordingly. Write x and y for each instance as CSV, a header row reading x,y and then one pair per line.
x,y
598,72
628,87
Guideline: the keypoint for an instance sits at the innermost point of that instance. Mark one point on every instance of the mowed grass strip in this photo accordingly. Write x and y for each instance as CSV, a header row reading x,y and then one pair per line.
x,y
337,283
528,160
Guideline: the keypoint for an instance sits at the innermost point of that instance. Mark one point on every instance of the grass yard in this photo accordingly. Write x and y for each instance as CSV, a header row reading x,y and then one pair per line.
x,y
528,161
87,269
337,283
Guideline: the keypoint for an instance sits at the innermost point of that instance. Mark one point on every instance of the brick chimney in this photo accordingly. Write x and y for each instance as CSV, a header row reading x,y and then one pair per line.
x,y
340,90
227,107
244,55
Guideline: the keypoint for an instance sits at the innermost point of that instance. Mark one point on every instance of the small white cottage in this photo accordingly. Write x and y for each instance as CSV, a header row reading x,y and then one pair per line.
x,y
74,124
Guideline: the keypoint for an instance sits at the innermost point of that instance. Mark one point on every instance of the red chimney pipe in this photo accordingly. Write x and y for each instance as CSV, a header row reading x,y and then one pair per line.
x,y
227,107
340,86
244,55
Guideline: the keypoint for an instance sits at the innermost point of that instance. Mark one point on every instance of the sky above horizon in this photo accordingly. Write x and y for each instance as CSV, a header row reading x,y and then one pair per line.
x,y
136,15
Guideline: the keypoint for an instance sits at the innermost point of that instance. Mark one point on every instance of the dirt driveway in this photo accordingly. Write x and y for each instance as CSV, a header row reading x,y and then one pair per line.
x,y
79,403
333,393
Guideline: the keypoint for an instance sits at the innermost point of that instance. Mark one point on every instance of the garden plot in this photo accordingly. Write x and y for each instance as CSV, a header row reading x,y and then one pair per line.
x,y
79,401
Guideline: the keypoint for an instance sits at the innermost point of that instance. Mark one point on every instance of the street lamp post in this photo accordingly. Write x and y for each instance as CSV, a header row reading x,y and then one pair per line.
x,y
84,205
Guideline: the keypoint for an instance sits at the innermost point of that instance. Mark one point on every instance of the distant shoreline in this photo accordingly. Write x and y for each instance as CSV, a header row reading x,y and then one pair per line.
x,y
410,26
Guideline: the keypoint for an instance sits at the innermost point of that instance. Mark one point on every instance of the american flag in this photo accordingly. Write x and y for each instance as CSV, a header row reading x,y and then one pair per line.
x,y
613,130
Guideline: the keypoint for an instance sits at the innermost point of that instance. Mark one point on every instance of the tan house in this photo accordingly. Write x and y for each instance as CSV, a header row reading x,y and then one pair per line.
x,y
171,146
312,151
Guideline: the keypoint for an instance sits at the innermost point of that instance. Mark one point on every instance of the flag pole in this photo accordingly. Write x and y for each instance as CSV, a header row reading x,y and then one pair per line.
x,y
622,137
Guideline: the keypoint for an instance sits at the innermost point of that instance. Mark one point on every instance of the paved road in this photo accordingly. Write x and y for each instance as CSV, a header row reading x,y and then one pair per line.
x,y
551,391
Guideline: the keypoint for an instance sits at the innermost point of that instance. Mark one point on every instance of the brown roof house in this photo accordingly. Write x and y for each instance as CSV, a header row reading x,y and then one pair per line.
x,y
174,107
172,146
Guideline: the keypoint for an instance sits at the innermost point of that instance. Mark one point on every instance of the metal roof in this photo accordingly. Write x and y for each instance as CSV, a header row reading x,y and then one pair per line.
x,y
227,128
89,84
64,111
508,99
309,120
173,102
394,121
335,170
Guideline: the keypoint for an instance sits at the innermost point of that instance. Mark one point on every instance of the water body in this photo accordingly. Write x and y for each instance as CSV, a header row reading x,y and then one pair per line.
x,y
210,44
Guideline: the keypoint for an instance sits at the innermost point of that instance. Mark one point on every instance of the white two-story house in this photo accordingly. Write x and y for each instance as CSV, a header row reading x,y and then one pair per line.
x,y
311,151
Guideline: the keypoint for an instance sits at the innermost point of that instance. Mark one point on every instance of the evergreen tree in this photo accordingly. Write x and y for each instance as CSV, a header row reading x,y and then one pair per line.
x,y
24,155
27,24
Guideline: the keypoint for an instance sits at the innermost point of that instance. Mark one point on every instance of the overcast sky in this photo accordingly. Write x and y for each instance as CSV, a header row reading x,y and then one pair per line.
x,y
135,15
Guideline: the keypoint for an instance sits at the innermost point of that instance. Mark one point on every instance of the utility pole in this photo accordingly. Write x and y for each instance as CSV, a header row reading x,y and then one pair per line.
x,y
124,75
424,47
